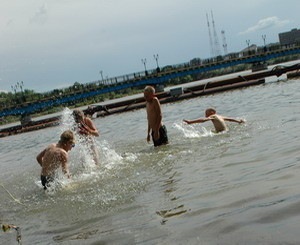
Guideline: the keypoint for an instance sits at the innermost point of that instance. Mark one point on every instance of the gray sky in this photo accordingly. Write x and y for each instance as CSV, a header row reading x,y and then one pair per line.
x,y
51,44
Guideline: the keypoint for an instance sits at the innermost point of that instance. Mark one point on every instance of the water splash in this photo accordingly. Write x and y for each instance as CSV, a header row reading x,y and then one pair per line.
x,y
109,157
82,164
67,120
190,131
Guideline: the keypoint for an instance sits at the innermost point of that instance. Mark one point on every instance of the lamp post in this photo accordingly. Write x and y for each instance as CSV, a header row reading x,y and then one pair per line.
x,y
248,43
144,61
21,85
156,59
264,38
101,74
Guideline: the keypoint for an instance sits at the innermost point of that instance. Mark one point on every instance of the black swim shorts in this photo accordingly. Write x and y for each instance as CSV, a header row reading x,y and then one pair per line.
x,y
163,137
46,180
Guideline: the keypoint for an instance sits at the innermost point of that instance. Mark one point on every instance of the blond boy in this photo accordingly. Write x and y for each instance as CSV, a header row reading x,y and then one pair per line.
x,y
54,157
217,120
87,128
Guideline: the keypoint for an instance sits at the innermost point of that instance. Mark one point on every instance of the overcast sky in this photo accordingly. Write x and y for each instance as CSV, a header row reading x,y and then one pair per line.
x,y
51,44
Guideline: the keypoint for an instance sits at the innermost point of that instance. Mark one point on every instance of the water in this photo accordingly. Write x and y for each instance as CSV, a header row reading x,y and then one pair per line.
x,y
237,187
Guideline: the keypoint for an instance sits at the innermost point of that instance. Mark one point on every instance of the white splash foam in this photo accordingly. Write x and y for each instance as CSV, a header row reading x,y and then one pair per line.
x,y
189,131
82,165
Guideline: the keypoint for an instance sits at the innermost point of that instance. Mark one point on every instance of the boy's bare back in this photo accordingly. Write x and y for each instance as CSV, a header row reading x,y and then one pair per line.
x,y
52,158
217,120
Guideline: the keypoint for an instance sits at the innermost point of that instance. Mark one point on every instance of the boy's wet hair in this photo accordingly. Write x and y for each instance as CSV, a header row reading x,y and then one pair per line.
x,y
211,109
67,137
149,89
78,115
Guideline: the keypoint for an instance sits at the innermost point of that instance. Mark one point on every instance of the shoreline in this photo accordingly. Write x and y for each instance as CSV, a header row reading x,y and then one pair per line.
x,y
169,95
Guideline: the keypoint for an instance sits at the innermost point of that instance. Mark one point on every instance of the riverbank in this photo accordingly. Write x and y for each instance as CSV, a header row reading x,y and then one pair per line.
x,y
172,94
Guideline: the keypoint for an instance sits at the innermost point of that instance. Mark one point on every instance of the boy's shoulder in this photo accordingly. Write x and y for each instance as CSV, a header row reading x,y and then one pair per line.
x,y
51,146
215,116
155,100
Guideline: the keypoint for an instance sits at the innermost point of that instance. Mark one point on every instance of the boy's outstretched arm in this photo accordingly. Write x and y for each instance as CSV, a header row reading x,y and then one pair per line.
x,y
200,120
233,120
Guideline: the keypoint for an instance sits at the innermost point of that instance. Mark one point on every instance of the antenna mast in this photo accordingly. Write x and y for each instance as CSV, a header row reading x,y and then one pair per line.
x,y
216,40
212,52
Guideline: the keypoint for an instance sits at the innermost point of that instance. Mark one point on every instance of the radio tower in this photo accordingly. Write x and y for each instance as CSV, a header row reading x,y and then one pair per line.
x,y
224,42
216,40
212,51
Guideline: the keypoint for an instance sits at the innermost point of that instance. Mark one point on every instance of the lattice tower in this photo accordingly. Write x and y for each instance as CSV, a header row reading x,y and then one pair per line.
x,y
216,40
212,51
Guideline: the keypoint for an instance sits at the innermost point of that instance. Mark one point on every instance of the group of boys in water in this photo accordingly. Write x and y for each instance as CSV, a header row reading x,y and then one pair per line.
x,y
56,155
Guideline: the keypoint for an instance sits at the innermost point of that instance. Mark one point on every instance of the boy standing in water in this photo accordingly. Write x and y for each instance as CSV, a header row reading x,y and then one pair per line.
x,y
87,128
54,156
217,120
155,126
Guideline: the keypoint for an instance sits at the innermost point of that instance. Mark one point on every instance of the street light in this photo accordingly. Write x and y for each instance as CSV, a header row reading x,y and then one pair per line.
x,y
248,43
101,73
156,59
264,38
144,61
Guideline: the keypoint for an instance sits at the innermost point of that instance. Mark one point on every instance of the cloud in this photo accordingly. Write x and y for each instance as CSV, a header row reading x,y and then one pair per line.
x,y
269,22
40,16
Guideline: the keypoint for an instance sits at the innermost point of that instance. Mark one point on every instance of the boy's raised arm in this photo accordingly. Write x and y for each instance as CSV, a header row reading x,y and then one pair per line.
x,y
233,120
199,120
64,165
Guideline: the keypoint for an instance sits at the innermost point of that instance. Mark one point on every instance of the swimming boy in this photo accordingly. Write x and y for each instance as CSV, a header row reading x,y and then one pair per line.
x,y
54,156
87,128
217,120
154,115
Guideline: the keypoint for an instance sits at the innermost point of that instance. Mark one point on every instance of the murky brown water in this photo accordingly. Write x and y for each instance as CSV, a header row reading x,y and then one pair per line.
x,y
238,187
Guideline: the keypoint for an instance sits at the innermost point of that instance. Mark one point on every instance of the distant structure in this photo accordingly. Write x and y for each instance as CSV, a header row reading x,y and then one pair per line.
x,y
224,42
212,51
216,39
213,39
290,37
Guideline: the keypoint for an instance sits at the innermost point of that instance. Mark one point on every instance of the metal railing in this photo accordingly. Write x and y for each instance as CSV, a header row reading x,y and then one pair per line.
x,y
153,76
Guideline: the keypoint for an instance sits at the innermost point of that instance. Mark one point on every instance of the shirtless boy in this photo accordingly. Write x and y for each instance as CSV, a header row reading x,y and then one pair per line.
x,y
154,115
87,128
54,156
217,120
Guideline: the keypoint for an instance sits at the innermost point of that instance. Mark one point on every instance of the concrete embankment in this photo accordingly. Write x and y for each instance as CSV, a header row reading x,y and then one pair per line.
x,y
178,93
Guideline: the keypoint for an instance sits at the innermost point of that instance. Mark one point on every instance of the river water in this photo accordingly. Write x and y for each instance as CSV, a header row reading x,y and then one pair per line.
x,y
237,187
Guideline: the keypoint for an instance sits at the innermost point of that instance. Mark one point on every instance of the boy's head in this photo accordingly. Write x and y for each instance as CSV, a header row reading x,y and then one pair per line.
x,y
78,115
149,93
67,138
210,111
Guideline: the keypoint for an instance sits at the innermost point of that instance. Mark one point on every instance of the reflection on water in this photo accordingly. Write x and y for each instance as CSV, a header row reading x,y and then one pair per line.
x,y
237,187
